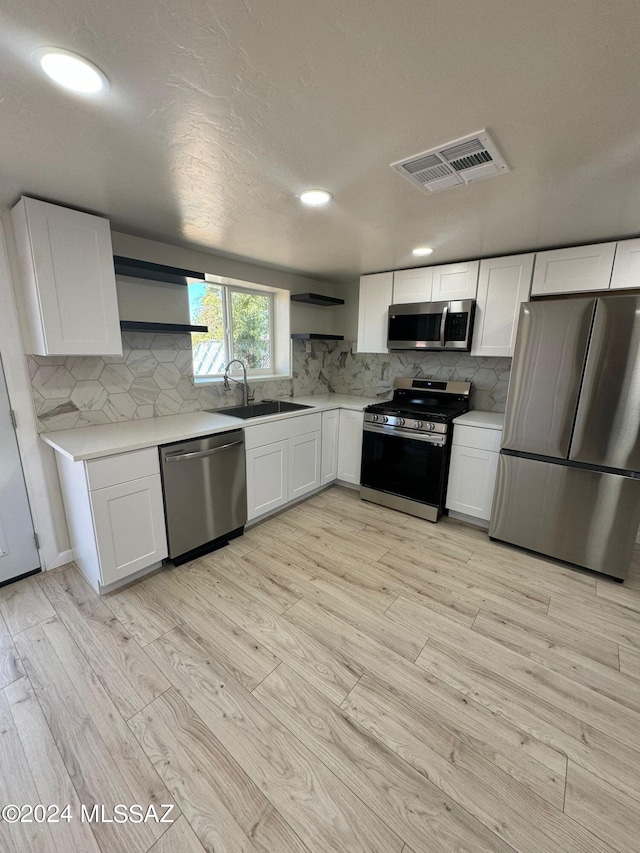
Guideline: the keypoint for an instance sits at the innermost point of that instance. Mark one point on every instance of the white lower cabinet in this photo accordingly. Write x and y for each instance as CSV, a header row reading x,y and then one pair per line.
x,y
129,527
293,457
350,446
472,475
330,434
283,462
115,515
472,478
267,478
304,464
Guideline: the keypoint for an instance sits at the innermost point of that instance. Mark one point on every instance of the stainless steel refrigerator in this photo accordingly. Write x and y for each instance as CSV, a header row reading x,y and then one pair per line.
x,y
568,477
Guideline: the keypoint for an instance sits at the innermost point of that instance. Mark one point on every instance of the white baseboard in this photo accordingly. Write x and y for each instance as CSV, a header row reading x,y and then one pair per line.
x,y
62,558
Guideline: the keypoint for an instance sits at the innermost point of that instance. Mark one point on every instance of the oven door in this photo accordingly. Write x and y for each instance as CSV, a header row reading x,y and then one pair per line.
x,y
404,463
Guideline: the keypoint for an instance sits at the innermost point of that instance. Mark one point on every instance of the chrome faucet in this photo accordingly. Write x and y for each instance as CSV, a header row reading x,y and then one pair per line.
x,y
247,396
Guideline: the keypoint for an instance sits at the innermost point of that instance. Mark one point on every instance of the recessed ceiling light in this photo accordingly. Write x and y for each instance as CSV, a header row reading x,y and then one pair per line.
x,y
422,250
315,198
71,71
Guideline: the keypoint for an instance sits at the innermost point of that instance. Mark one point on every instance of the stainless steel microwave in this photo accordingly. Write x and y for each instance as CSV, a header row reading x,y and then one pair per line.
x,y
431,325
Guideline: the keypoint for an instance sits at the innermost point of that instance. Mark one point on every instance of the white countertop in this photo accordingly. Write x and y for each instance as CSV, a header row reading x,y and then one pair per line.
x,y
486,420
95,441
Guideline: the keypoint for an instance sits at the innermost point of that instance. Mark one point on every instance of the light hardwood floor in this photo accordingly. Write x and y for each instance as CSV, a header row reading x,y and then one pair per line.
x,y
342,678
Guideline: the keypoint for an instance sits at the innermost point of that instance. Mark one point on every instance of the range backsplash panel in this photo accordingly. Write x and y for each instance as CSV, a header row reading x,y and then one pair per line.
x,y
154,377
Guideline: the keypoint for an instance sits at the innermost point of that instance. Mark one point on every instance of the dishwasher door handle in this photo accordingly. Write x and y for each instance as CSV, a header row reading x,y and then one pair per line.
x,y
178,457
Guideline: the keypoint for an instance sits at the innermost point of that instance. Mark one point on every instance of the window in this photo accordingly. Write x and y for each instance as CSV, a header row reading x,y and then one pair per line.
x,y
241,325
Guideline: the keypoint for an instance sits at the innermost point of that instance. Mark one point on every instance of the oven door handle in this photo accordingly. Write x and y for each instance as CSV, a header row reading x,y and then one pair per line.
x,y
438,440
443,326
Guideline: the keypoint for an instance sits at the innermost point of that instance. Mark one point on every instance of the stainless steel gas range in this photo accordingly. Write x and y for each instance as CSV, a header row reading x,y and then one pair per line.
x,y
407,445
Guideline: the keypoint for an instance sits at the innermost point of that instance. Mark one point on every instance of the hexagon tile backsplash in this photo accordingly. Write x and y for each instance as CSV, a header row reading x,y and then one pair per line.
x,y
154,377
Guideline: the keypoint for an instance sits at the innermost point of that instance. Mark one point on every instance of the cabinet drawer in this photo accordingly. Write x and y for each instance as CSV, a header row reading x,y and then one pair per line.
x,y
261,434
478,437
121,468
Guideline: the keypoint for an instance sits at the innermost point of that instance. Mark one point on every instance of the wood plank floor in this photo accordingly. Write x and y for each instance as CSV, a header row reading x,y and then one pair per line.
x,y
342,678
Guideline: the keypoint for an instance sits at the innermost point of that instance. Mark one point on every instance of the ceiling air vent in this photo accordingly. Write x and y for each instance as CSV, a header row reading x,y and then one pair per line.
x,y
471,158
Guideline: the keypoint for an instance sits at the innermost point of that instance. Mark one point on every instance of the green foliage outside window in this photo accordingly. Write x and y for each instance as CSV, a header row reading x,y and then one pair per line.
x,y
239,327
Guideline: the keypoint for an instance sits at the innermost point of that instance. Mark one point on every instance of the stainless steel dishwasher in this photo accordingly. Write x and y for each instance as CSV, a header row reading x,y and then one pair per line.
x,y
205,493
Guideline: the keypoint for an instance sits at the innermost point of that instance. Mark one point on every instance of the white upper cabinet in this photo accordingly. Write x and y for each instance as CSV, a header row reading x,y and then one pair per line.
x,y
574,270
412,285
503,285
455,281
66,262
376,293
626,268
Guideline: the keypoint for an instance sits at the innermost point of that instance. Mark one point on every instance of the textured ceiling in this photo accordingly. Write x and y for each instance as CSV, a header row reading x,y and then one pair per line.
x,y
219,112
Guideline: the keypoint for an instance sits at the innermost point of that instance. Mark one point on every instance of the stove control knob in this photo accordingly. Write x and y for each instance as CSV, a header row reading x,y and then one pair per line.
x,y
418,424
400,422
431,427
384,419
373,418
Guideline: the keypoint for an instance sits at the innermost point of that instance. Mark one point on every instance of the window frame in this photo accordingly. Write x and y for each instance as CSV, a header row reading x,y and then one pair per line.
x,y
228,328
280,353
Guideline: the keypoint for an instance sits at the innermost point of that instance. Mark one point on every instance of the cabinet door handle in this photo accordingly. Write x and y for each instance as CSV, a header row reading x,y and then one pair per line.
x,y
197,454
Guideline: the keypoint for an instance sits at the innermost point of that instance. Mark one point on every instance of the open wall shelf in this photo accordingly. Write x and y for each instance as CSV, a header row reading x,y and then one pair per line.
x,y
133,268
160,328
316,299
312,336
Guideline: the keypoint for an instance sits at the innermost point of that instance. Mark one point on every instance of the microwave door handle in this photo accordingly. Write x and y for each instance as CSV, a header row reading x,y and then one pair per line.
x,y
443,325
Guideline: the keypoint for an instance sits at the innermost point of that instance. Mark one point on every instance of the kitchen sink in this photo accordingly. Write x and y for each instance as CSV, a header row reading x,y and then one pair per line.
x,y
259,410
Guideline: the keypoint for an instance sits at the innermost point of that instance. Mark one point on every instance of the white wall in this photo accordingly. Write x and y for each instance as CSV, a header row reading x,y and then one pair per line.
x,y
152,301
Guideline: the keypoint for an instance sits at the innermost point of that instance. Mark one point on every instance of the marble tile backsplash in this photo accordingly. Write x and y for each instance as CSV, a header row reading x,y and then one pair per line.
x,y
372,374
154,377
